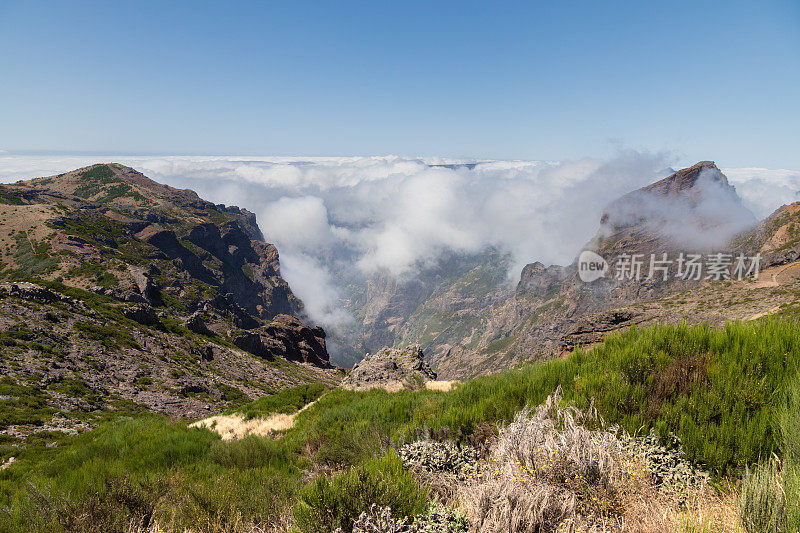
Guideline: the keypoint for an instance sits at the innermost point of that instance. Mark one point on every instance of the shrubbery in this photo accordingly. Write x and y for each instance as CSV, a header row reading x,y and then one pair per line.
x,y
461,461
720,391
437,519
723,411
549,473
329,504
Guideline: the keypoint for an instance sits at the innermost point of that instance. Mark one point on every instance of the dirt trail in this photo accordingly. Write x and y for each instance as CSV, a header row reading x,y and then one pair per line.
x,y
777,276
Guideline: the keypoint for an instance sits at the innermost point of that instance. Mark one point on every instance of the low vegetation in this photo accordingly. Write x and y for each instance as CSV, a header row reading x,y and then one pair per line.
x,y
727,397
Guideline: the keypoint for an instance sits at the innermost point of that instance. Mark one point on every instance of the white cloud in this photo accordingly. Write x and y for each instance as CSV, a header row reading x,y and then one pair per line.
x,y
334,219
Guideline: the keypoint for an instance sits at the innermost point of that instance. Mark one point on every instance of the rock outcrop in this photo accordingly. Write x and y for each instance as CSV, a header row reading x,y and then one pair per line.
x,y
287,337
391,368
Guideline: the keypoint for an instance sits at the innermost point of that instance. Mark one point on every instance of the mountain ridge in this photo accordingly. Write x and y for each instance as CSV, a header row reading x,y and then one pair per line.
x,y
125,292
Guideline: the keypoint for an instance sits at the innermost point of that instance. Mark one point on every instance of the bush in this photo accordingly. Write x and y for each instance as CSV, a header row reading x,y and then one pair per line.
x,y
328,504
442,466
250,452
447,457
436,520
790,432
666,464
549,473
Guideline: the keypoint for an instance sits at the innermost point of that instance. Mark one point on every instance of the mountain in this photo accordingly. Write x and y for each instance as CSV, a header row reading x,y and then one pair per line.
x,y
119,292
471,321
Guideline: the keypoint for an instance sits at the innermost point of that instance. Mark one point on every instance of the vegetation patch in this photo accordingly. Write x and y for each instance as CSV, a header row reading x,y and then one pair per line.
x,y
32,259
22,404
93,179
287,401
110,336
334,503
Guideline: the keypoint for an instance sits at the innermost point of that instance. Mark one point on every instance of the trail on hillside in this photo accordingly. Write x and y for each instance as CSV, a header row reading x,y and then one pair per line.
x,y
235,426
777,276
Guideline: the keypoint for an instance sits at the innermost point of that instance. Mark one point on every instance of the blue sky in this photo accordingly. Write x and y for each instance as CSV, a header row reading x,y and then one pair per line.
x,y
522,80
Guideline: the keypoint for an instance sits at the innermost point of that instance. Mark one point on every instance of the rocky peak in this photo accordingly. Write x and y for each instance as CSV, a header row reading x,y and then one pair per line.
x,y
695,209
686,179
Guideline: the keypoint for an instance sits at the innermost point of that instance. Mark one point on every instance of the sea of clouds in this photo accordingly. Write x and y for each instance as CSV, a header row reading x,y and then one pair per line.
x,y
342,218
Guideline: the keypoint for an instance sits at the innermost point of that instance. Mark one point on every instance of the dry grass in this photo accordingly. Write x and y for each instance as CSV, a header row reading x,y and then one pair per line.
x,y
236,426
548,473
443,386
397,386
702,511
388,386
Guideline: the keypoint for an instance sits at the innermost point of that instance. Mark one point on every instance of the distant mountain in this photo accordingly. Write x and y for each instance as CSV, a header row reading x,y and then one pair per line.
x,y
470,320
120,289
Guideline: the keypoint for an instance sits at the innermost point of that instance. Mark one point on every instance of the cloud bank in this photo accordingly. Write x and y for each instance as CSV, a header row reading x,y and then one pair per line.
x,y
335,220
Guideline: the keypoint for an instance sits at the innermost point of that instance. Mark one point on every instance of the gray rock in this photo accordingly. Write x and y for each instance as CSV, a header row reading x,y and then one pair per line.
x,y
196,324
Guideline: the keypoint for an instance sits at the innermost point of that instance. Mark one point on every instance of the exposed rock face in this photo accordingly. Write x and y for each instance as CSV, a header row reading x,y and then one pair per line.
x,y
778,237
391,367
692,210
250,341
539,280
285,336
196,324
31,292
298,342
593,329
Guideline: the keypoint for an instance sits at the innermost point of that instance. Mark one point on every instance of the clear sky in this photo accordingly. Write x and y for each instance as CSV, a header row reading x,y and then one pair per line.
x,y
518,80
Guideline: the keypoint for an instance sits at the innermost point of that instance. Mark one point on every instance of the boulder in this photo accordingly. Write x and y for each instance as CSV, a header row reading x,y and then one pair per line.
x,y
196,324
142,313
390,366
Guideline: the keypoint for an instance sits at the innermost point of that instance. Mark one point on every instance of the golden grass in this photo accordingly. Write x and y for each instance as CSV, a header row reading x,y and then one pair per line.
x,y
236,426
443,386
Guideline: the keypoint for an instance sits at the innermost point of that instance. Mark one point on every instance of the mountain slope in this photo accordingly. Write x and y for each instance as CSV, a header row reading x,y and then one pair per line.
x,y
120,291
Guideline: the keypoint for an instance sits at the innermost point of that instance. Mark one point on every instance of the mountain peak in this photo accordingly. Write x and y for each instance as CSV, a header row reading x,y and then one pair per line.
x,y
686,179
693,207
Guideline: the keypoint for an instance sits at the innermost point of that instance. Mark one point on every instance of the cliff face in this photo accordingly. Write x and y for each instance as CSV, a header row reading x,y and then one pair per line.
x,y
176,280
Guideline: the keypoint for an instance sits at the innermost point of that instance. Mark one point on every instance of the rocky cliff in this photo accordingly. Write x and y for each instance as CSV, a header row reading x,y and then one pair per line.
x,y
391,368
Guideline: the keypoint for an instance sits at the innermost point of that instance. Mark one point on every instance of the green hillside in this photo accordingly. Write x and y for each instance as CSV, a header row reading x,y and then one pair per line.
x,y
722,392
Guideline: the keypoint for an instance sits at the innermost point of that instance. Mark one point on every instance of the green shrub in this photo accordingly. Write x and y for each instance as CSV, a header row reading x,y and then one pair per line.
x,y
22,404
286,401
231,394
328,504
789,418
33,260
250,452
75,388
111,335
